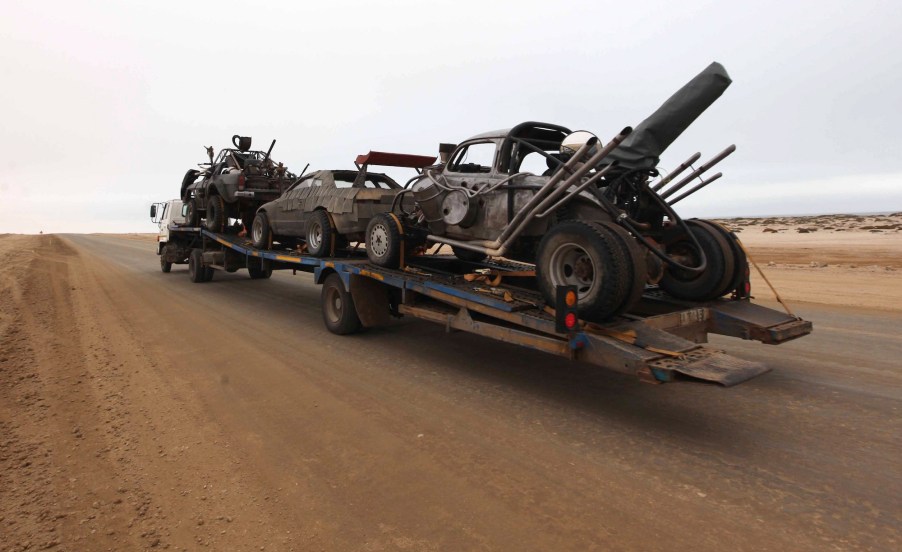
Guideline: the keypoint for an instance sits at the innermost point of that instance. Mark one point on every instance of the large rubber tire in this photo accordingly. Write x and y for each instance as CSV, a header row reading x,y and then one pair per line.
x,y
258,269
718,273
384,241
319,234
188,180
216,214
588,256
261,233
635,262
339,313
196,269
740,261
165,265
468,255
192,217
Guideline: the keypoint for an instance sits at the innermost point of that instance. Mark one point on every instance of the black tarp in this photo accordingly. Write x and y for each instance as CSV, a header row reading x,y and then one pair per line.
x,y
642,148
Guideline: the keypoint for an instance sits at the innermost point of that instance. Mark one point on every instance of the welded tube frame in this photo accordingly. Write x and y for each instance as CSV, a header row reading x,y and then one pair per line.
x,y
698,172
677,171
695,188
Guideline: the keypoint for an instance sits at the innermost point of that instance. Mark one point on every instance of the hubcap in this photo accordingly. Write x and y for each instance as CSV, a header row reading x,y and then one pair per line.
x,y
379,240
571,265
333,304
315,237
258,230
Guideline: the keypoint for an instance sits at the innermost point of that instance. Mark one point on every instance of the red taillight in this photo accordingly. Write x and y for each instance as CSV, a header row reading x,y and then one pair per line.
x,y
241,181
570,320
747,288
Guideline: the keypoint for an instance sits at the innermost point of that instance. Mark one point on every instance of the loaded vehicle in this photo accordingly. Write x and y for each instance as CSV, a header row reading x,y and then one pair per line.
x,y
587,260
330,208
232,185
594,218
661,339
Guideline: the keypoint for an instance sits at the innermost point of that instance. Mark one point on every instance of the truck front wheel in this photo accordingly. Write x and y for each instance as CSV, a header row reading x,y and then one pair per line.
x,y
339,313
165,265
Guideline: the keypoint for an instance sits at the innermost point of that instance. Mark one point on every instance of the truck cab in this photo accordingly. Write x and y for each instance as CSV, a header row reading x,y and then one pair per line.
x,y
164,215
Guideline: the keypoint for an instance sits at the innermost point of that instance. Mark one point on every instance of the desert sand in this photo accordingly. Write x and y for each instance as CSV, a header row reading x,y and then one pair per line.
x,y
850,260
119,430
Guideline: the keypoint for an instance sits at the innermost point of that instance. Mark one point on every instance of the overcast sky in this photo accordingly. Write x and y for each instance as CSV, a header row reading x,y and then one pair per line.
x,y
107,104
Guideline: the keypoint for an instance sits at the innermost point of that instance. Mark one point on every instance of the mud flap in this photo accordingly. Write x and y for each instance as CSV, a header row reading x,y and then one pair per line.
x,y
370,300
709,365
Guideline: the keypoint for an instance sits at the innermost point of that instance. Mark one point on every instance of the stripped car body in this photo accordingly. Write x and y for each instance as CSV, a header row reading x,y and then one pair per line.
x,y
593,220
330,208
233,184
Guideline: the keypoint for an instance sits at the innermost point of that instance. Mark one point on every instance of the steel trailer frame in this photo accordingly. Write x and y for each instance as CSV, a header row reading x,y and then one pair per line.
x,y
661,340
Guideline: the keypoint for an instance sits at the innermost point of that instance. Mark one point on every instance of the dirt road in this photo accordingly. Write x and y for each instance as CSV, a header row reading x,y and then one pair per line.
x,y
141,411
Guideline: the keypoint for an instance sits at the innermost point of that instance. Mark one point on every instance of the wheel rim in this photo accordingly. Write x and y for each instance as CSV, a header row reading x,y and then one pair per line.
x,y
315,236
258,230
333,304
571,265
379,240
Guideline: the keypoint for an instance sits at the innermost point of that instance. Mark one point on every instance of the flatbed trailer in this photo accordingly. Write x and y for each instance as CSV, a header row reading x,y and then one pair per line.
x,y
660,340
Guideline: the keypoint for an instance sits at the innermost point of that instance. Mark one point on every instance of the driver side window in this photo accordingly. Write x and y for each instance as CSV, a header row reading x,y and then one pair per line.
x,y
474,158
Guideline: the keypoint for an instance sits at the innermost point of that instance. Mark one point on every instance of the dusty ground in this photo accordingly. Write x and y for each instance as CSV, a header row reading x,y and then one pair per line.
x,y
140,411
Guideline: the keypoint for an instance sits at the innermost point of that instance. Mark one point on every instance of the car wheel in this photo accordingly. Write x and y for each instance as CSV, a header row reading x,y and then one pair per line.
x,y
468,255
261,233
196,269
192,217
714,280
637,267
589,257
215,214
258,269
383,241
320,234
339,313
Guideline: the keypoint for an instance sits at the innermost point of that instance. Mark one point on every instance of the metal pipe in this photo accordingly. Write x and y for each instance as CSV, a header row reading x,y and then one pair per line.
x,y
564,200
697,172
500,246
695,188
543,191
529,210
676,172
575,177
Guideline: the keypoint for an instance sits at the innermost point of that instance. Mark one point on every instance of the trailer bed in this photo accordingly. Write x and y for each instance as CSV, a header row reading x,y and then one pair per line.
x,y
660,340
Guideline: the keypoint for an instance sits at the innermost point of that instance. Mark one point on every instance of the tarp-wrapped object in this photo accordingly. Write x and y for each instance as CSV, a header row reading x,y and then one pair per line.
x,y
642,148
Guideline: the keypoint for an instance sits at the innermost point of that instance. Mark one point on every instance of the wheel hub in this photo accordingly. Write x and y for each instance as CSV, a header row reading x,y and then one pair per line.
x,y
571,265
379,240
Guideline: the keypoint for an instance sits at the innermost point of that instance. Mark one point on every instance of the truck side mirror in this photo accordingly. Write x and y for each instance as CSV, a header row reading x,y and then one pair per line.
x,y
153,211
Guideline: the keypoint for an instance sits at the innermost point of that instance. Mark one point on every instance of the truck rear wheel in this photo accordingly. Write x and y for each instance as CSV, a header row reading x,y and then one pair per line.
x,y
196,269
383,241
589,257
339,313
258,269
